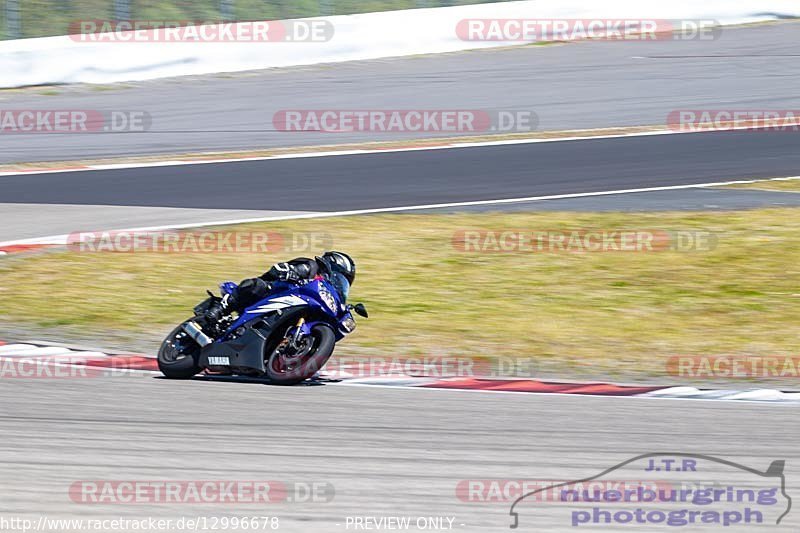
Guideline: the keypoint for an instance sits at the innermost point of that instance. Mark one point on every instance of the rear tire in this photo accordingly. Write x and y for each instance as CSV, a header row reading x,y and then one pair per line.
x,y
324,342
178,364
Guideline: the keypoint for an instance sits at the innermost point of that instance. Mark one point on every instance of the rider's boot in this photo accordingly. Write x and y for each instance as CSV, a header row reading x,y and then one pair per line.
x,y
248,292
216,311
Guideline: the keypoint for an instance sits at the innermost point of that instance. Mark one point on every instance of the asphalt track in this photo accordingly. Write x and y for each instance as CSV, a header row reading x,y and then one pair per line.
x,y
425,177
202,193
391,452
387,452
575,86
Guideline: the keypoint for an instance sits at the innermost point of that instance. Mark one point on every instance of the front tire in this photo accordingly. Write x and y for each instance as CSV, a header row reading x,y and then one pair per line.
x,y
176,361
281,373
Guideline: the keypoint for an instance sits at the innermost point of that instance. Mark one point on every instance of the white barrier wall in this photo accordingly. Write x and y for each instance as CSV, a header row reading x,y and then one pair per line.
x,y
65,59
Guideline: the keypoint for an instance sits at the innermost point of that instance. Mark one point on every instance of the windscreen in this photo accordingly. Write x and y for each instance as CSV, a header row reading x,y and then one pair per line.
x,y
341,285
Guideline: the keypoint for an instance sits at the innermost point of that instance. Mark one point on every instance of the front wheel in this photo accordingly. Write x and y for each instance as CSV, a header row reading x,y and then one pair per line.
x,y
178,355
289,366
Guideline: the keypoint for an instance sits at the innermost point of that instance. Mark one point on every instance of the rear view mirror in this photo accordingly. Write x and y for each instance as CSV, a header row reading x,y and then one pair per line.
x,y
361,310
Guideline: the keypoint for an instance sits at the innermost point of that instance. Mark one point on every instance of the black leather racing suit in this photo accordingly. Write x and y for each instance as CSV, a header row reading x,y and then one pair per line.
x,y
252,290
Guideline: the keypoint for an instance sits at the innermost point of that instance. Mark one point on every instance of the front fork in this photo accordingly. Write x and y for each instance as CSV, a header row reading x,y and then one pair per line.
x,y
299,331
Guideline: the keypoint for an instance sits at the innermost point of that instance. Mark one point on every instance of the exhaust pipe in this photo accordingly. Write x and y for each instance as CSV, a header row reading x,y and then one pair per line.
x,y
197,334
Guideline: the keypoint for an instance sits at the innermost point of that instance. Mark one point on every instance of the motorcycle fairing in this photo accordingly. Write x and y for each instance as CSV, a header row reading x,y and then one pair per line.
x,y
246,351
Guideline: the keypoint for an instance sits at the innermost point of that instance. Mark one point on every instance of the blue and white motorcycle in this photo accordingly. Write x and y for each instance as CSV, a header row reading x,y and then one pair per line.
x,y
287,337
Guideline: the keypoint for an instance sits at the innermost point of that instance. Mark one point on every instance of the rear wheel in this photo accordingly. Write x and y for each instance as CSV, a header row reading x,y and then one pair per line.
x,y
178,355
288,364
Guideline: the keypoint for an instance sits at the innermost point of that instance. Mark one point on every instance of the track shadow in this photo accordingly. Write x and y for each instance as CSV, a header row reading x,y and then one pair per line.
x,y
314,382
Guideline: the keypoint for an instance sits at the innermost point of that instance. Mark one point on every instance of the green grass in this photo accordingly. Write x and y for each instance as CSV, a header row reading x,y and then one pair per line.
x,y
786,185
612,311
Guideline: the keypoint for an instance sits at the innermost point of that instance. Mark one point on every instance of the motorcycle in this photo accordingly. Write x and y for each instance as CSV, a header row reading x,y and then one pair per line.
x,y
287,337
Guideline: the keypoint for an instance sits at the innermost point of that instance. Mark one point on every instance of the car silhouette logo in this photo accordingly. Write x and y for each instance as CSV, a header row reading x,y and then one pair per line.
x,y
694,502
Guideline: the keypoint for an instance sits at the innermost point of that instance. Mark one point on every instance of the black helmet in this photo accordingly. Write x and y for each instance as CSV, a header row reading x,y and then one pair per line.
x,y
339,262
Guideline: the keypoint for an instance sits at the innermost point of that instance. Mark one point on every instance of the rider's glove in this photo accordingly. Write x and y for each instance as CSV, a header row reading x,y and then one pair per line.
x,y
283,272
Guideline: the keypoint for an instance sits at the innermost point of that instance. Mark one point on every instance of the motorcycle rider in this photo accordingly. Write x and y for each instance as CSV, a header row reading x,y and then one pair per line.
x,y
297,271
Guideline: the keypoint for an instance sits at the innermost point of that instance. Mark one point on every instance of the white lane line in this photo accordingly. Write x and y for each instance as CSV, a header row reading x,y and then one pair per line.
x,y
11,348
20,350
761,395
62,239
791,399
362,151
62,357
73,357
